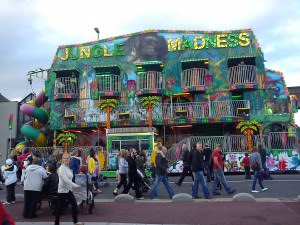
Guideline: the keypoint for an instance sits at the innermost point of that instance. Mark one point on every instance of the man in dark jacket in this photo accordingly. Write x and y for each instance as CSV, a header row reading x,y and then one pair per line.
x,y
186,165
132,175
197,168
263,155
161,172
208,162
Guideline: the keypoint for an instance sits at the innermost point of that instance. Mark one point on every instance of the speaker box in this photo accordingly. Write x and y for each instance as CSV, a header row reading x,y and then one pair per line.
x,y
124,116
243,111
70,118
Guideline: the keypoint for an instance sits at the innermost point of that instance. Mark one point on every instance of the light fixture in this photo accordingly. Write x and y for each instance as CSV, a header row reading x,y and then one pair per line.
x,y
181,126
97,31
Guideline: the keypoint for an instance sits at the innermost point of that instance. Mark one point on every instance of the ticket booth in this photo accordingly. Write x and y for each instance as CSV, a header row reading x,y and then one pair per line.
x,y
140,138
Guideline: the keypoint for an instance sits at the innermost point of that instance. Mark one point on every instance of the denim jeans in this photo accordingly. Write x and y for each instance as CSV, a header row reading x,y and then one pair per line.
x,y
200,179
164,179
257,177
219,176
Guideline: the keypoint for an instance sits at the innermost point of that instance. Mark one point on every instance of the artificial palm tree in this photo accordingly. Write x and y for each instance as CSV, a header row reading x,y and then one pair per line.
x,y
107,105
66,139
149,102
248,128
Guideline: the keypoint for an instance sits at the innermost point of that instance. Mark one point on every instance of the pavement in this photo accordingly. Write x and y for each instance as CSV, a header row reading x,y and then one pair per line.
x,y
280,205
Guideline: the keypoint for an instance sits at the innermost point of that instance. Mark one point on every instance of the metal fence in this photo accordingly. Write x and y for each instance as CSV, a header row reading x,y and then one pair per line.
x,y
230,144
237,143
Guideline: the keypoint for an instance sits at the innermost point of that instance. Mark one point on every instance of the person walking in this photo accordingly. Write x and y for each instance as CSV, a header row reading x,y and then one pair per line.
x,y
218,164
197,167
246,163
256,166
123,170
93,168
65,186
10,176
132,175
161,172
75,162
208,162
263,154
33,184
186,160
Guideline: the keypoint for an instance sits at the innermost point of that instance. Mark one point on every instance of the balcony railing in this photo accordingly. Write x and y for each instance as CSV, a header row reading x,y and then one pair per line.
x,y
242,74
193,77
216,109
109,83
150,80
66,86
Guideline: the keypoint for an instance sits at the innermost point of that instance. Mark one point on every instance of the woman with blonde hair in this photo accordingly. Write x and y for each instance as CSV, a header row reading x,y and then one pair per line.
x,y
123,170
65,189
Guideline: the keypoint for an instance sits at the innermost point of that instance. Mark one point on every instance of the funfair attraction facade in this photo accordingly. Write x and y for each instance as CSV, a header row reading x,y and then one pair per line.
x,y
194,86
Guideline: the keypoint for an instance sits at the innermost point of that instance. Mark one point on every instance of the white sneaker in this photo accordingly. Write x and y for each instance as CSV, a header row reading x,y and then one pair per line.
x,y
140,198
6,203
264,189
254,191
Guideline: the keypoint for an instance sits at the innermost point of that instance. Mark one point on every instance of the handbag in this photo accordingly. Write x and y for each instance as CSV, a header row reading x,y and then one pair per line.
x,y
255,164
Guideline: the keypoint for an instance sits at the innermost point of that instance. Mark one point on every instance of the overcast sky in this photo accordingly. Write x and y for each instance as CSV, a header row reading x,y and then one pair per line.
x,y
31,30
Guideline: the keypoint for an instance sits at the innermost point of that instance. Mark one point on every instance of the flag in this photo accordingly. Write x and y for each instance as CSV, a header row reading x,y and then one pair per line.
x,y
10,121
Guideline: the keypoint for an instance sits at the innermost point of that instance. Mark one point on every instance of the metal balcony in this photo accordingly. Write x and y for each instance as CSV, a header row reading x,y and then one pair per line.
x,y
216,109
242,75
151,81
193,77
66,87
109,85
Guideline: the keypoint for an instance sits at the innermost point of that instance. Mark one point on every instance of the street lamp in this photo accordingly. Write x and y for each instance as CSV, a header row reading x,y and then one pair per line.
x,y
97,31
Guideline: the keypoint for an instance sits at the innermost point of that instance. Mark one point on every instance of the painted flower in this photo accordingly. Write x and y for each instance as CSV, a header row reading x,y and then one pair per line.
x,y
282,164
270,162
283,161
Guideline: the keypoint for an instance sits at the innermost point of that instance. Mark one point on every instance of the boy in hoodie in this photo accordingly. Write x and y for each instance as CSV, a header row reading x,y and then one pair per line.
x,y
33,184
10,176
161,172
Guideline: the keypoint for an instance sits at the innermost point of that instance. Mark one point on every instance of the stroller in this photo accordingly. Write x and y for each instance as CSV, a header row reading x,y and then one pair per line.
x,y
144,182
84,194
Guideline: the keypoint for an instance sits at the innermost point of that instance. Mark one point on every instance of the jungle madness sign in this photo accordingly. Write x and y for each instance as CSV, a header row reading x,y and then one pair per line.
x,y
185,42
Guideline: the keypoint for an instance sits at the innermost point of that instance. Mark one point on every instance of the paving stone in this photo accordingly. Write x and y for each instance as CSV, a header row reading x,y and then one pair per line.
x,y
243,197
182,197
124,198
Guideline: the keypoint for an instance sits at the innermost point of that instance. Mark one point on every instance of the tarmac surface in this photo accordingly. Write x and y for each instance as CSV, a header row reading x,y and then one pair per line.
x,y
280,205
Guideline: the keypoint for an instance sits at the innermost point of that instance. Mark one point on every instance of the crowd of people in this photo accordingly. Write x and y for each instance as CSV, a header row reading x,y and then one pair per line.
x,y
66,178
61,179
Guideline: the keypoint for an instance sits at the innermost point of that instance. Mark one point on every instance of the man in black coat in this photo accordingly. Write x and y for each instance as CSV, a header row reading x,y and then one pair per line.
x,y
207,162
186,160
133,175
197,168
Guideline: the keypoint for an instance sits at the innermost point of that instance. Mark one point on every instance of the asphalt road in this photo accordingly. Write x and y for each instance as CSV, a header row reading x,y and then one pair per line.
x,y
277,206
285,186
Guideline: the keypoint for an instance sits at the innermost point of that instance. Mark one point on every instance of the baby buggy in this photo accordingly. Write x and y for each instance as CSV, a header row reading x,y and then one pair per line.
x,y
84,194
144,183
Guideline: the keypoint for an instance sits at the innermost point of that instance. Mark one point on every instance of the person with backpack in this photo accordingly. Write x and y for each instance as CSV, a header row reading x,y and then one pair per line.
x,y
256,166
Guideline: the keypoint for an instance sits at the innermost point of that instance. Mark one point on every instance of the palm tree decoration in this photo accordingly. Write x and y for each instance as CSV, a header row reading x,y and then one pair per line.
x,y
149,102
248,128
107,105
66,139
